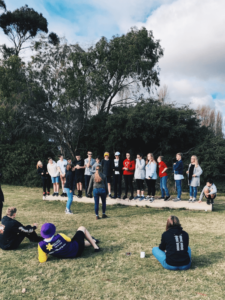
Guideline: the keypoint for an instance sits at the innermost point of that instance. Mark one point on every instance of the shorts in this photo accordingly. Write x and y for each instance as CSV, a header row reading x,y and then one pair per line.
x,y
79,178
55,179
109,179
79,238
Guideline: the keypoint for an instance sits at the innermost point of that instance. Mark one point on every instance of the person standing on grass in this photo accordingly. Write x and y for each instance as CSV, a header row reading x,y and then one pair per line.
x,y
194,172
15,232
139,176
107,170
163,179
1,199
209,191
178,168
97,163
88,163
61,246
174,253
54,173
99,185
128,175
69,188
61,164
74,176
79,173
46,180
117,175
151,176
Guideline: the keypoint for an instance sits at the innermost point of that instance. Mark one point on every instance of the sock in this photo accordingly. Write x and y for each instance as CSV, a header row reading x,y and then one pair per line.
x,y
138,195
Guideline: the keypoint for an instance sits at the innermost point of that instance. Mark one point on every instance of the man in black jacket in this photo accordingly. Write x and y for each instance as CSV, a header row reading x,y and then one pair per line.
x,y
14,232
1,199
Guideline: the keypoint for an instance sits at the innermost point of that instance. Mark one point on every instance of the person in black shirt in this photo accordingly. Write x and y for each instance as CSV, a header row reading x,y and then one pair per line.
x,y
107,169
45,177
1,199
175,242
69,189
14,232
79,173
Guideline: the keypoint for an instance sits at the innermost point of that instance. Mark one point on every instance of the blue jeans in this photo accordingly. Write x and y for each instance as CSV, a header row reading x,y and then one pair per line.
x,y
163,186
193,190
179,188
70,198
99,193
161,257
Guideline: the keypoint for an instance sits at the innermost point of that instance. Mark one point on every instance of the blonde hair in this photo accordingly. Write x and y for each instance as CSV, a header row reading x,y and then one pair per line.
x,y
196,160
151,154
98,178
172,221
39,163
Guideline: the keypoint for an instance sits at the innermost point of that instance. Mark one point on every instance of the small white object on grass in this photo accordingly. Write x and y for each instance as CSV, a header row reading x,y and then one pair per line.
x,y
23,290
142,255
205,209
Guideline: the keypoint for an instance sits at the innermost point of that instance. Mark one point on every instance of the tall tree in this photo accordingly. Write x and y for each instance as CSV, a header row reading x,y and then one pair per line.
x,y
2,4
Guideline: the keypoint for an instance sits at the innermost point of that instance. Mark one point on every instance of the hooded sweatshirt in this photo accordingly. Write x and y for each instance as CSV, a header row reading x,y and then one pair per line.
x,y
130,164
175,241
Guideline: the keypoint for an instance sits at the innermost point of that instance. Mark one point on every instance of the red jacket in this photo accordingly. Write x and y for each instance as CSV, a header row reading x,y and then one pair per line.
x,y
162,166
130,164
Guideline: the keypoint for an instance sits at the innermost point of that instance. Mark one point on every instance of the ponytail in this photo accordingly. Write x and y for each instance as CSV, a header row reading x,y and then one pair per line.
x,y
98,178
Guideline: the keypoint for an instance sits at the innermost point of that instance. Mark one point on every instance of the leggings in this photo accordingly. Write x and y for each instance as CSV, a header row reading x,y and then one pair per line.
x,y
46,183
1,206
128,182
151,186
140,184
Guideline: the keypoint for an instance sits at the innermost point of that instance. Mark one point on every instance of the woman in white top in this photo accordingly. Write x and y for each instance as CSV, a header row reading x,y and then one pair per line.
x,y
54,173
194,172
139,176
151,176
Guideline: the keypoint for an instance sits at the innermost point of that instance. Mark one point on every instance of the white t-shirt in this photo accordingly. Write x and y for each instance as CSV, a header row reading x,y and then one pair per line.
x,y
116,163
62,165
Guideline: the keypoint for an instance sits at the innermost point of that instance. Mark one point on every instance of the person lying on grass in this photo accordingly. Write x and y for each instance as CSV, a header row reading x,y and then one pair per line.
x,y
62,246
209,191
15,232
173,253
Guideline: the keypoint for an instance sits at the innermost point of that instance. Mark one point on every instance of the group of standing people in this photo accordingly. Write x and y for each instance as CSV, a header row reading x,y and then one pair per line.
x,y
111,171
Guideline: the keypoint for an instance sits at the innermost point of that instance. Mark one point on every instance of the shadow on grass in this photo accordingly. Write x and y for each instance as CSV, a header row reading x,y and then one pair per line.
x,y
203,261
28,245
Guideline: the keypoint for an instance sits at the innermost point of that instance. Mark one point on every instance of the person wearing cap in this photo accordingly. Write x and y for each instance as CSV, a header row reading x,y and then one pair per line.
x,y
15,232
99,185
79,174
46,180
62,246
61,164
54,173
88,163
117,175
107,168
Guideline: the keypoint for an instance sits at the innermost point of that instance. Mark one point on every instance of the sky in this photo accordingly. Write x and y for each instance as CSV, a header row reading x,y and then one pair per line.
x,y
191,33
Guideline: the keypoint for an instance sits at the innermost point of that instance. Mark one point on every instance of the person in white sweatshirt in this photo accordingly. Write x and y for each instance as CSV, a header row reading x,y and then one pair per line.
x,y
151,176
139,176
54,173
209,191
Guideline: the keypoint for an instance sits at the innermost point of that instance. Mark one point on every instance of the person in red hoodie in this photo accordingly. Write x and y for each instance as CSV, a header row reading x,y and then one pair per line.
x,y
163,179
128,172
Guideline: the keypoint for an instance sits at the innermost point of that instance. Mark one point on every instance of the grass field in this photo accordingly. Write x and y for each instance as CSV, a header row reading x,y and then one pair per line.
x,y
111,274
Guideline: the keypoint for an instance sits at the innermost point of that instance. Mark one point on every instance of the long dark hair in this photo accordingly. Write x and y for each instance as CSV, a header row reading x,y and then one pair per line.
x,y
98,178
172,221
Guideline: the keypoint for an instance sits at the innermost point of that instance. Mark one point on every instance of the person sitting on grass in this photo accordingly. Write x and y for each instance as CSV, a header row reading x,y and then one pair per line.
x,y
209,191
15,232
61,246
174,253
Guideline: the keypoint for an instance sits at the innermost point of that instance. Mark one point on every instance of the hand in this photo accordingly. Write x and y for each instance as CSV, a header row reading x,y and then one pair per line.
x,y
187,172
193,175
70,191
174,163
42,173
47,173
199,201
126,169
78,167
35,224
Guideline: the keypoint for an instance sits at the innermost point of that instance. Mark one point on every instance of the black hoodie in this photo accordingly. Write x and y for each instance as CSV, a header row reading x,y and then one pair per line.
x,y
175,241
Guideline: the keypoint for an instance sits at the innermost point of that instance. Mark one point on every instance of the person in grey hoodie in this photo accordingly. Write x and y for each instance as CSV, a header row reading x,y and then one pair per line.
x,y
151,176
139,176
97,163
194,172
209,191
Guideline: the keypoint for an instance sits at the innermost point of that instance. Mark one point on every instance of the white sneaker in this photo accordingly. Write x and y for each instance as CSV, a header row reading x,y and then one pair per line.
x,y
194,199
190,200
147,198
152,199
44,197
68,212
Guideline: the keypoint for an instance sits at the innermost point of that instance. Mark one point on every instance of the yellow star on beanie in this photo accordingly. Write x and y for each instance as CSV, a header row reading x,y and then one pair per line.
x,y
49,247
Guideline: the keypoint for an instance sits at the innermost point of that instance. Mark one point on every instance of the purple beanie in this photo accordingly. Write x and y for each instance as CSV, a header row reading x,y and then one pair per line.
x,y
48,230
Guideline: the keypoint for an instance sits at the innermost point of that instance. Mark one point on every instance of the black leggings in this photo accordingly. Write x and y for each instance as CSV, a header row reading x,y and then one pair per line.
x,y
128,182
140,184
1,206
33,237
46,183
151,186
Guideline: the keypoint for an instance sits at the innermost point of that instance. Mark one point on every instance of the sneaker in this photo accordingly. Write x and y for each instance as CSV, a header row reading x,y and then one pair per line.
x,y
131,197
167,198
176,199
44,197
110,196
142,198
208,201
161,198
98,218
113,197
62,195
212,201
190,200
194,200
137,197
124,197
98,250
54,194
147,197
68,212
119,197
57,194
152,199
104,216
